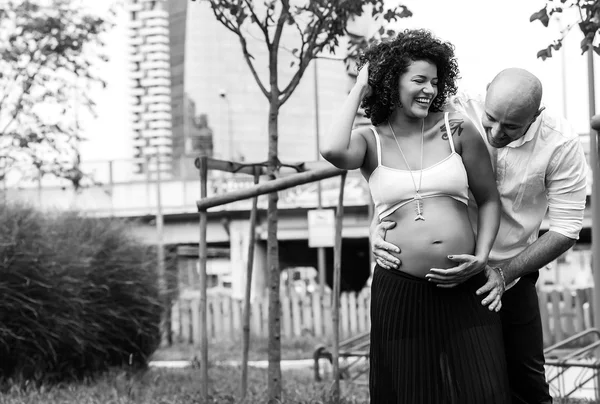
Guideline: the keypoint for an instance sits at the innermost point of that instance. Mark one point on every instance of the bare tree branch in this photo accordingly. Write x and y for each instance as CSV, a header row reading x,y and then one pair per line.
x,y
313,47
248,57
262,27
285,4
220,16
236,29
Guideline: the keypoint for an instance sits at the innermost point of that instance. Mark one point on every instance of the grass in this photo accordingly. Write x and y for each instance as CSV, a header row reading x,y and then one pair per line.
x,y
160,386
223,351
181,386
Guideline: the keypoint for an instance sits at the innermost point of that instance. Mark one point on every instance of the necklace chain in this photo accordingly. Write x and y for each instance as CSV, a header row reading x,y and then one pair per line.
x,y
417,198
417,189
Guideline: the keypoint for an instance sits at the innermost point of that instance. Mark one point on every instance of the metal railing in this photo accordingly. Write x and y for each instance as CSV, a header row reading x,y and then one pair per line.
x,y
114,189
574,368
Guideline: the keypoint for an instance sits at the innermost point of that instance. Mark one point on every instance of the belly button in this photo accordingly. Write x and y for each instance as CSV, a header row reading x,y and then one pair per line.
x,y
437,242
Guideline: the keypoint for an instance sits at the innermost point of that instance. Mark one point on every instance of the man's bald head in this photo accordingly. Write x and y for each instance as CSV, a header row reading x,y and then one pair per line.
x,y
512,103
518,88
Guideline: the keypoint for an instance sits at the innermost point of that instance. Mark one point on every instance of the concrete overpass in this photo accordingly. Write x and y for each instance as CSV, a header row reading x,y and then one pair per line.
x,y
136,199
120,193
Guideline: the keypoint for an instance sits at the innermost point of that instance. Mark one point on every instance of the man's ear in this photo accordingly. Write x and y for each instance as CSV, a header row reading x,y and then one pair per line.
x,y
538,113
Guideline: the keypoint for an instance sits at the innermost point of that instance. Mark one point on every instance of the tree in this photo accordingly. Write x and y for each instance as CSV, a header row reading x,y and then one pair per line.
x,y
588,22
314,26
47,54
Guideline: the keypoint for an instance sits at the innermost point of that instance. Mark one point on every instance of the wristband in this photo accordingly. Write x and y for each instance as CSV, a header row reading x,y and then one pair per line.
x,y
501,272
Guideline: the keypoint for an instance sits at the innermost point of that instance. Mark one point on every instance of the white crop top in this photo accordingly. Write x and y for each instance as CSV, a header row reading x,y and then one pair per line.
x,y
392,188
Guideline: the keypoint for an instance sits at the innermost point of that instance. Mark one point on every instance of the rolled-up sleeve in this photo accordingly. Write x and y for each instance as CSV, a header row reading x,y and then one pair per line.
x,y
566,181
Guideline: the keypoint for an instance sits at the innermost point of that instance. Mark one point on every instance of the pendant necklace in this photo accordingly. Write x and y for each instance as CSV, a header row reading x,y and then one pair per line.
x,y
417,198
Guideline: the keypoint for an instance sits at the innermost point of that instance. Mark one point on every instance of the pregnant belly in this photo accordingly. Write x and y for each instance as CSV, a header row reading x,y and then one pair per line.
x,y
426,244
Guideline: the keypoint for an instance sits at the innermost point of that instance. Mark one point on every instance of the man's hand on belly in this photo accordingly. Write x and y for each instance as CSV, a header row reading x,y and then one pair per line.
x,y
381,248
448,278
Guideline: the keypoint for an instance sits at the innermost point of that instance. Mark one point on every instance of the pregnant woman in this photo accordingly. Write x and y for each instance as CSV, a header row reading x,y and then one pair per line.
x,y
428,344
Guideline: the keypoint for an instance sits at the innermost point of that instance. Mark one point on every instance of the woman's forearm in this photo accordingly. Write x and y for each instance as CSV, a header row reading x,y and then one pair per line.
x,y
488,221
335,145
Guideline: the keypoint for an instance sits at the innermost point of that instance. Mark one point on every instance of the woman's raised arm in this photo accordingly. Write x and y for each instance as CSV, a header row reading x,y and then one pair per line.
x,y
343,147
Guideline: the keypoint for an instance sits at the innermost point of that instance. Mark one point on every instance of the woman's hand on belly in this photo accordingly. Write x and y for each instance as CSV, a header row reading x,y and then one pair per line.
x,y
469,265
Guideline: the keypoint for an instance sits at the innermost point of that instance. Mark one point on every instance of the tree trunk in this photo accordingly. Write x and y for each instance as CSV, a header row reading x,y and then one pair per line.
x,y
274,349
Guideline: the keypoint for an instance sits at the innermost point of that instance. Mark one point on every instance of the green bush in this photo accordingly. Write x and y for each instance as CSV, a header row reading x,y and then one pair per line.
x,y
77,296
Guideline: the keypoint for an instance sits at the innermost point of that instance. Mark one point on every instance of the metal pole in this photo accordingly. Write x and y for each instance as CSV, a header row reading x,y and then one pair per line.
x,y
594,205
160,248
320,250
111,186
4,187
230,145
563,75
148,179
183,176
230,129
39,188
202,257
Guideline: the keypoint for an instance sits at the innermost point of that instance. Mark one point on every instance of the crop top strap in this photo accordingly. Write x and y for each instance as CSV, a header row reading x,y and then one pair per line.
x,y
378,141
449,131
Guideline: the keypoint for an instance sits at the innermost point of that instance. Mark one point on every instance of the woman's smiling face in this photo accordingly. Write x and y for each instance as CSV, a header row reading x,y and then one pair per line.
x,y
418,87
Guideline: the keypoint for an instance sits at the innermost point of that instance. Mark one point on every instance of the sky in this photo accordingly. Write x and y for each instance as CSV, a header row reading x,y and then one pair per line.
x,y
109,134
488,35
491,35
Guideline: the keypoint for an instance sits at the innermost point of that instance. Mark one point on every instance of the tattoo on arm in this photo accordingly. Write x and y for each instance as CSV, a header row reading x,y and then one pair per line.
x,y
456,126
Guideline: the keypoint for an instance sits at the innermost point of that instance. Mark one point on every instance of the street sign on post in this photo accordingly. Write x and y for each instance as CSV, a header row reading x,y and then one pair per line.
x,y
321,228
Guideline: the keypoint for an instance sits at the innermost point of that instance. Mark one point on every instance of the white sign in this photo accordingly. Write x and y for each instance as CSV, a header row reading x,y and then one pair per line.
x,y
321,228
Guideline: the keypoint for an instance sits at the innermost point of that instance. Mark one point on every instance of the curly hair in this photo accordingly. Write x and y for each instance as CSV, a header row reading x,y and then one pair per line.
x,y
389,59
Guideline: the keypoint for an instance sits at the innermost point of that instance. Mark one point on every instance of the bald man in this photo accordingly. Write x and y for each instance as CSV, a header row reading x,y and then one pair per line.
x,y
540,168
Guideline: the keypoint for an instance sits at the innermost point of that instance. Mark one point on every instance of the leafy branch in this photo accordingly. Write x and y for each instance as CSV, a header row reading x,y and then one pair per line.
x,y
588,23
318,25
46,60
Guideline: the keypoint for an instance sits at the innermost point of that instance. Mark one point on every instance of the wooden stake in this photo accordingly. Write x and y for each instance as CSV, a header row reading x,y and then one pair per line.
x,y
337,272
202,257
248,291
269,187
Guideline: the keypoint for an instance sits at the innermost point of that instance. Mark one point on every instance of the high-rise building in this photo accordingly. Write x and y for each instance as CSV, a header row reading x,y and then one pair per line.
x,y
185,65
150,72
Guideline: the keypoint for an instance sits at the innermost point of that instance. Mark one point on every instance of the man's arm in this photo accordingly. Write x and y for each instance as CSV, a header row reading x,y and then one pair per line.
x,y
544,250
566,179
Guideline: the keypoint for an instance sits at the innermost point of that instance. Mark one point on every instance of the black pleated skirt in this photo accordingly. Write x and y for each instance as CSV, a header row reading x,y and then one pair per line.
x,y
431,345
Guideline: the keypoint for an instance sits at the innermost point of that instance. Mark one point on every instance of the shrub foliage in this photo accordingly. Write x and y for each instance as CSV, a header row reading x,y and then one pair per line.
x,y
77,296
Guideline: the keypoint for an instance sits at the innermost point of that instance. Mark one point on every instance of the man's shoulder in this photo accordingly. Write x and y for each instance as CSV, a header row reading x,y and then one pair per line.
x,y
555,128
464,100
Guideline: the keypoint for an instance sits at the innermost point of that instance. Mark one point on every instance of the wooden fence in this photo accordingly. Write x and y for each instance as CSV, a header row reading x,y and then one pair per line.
x,y
564,312
301,315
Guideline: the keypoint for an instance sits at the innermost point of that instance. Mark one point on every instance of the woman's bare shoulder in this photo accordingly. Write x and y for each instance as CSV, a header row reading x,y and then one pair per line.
x,y
461,126
367,132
